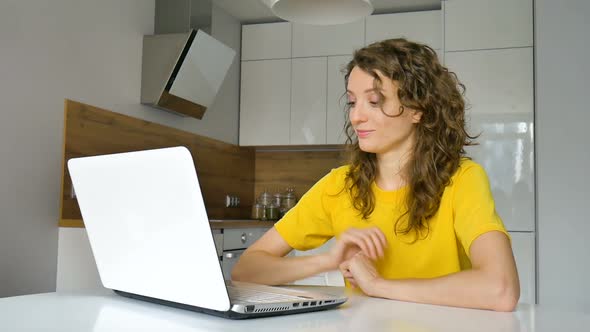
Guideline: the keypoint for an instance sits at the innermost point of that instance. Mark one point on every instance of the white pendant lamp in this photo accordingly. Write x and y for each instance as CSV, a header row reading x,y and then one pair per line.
x,y
320,12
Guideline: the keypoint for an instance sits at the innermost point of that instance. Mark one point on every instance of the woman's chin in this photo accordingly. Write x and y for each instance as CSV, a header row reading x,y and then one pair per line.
x,y
368,148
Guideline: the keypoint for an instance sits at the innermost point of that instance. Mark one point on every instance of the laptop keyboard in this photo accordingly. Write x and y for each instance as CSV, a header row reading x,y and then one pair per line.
x,y
237,294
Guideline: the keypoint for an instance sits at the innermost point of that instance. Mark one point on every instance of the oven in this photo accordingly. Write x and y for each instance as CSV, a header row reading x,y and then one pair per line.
x,y
231,244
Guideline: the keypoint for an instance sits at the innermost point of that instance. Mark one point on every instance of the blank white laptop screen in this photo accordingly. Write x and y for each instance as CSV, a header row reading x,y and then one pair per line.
x,y
150,236
149,254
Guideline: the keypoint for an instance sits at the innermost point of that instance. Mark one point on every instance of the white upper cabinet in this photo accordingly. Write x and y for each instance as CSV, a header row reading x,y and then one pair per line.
x,y
485,24
266,41
523,247
424,27
315,40
497,81
264,102
336,100
308,101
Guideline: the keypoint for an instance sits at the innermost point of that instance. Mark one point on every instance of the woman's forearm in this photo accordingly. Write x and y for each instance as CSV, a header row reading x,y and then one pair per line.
x,y
471,289
263,268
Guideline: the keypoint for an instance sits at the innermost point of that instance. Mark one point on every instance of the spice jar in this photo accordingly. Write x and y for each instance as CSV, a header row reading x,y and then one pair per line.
x,y
264,213
257,210
277,198
265,198
289,199
272,212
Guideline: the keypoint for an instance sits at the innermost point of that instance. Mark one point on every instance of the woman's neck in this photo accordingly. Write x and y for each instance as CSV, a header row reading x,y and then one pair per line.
x,y
392,169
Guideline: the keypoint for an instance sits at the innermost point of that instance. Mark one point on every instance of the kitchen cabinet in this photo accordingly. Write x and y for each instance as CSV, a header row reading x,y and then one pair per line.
x,y
336,100
266,41
308,109
235,241
265,102
506,151
499,95
324,40
523,247
497,81
424,27
486,24
308,101
314,114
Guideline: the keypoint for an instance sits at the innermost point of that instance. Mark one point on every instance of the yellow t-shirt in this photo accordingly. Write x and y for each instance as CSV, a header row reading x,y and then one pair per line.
x,y
466,211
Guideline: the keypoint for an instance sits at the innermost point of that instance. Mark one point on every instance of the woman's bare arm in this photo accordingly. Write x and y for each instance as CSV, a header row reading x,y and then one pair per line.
x,y
265,263
492,283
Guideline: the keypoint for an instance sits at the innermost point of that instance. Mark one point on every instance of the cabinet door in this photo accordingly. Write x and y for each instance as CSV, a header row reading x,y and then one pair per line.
x,y
308,101
424,27
229,260
336,116
266,41
523,247
485,24
506,151
318,40
499,94
497,81
265,102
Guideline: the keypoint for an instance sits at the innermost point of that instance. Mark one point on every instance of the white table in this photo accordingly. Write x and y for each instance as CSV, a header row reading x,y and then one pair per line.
x,y
100,312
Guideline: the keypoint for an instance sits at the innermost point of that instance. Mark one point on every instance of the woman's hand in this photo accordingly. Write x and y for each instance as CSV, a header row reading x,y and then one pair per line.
x,y
360,272
370,241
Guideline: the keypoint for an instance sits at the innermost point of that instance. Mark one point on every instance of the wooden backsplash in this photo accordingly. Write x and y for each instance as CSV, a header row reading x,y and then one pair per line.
x,y
277,170
222,167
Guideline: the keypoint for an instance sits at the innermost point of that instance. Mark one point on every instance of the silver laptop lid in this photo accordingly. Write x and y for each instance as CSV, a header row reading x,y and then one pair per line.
x,y
148,227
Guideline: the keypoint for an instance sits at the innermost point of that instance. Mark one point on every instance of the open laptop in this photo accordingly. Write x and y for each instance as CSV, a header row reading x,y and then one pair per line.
x,y
151,239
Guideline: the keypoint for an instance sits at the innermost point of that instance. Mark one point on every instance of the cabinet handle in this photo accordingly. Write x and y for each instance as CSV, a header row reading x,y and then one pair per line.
x,y
244,238
230,255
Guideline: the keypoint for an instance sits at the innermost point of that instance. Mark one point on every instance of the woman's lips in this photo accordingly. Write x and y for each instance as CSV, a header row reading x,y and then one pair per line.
x,y
363,133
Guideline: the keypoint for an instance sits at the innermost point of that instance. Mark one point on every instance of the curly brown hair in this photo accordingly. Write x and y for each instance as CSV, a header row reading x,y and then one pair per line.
x,y
426,86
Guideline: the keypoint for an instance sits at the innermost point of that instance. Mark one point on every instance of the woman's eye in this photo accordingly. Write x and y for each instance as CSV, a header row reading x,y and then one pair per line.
x,y
350,104
374,103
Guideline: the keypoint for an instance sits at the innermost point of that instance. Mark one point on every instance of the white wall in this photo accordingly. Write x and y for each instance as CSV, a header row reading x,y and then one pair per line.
x,y
86,50
563,158
51,50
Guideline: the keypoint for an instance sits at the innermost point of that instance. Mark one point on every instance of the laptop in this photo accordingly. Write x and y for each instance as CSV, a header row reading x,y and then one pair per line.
x,y
150,236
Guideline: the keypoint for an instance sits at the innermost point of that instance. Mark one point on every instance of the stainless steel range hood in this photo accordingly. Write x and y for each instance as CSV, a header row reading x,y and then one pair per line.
x,y
183,72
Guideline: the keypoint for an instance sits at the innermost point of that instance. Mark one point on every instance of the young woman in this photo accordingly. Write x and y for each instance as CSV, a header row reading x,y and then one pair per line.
x,y
413,217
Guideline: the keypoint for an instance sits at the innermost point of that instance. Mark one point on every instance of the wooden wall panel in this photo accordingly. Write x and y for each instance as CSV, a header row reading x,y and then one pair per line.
x,y
277,170
222,167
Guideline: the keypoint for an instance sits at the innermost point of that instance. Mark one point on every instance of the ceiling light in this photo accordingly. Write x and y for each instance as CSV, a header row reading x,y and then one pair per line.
x,y
320,12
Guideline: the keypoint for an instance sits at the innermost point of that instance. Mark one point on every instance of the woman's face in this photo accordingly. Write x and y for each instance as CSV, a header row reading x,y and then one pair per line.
x,y
377,132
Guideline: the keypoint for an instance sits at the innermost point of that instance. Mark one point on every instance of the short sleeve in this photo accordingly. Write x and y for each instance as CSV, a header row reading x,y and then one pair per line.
x,y
308,224
473,205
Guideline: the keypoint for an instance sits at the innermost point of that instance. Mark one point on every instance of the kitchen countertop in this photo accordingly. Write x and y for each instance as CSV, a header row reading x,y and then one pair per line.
x,y
239,223
109,312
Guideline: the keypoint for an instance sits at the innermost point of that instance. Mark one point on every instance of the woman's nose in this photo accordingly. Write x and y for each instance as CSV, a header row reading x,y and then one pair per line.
x,y
357,115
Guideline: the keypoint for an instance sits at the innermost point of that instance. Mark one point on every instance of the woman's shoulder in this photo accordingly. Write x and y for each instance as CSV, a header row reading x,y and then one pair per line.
x,y
469,171
337,175
335,180
340,171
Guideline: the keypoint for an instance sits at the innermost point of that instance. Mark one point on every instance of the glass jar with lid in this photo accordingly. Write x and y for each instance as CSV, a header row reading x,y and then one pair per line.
x,y
257,211
265,198
272,212
289,199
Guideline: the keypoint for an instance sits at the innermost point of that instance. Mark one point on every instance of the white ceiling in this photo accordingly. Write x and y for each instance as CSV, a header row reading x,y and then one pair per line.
x,y
254,11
